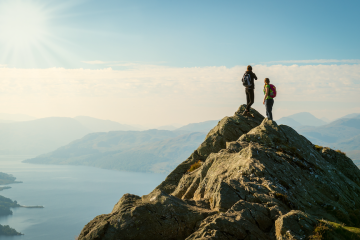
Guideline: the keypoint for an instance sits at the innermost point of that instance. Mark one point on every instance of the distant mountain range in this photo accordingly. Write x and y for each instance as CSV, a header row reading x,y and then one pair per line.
x,y
39,136
43,135
47,134
107,144
5,117
301,119
352,115
142,151
199,127
342,134
99,125
145,151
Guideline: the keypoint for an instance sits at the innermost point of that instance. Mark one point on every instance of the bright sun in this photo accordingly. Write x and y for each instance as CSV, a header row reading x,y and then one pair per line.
x,y
22,23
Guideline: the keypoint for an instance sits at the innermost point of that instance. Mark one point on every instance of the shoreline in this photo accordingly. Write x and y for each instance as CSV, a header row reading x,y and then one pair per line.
x,y
23,206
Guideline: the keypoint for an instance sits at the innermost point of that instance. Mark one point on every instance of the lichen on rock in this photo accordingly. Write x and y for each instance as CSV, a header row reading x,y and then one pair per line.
x,y
257,180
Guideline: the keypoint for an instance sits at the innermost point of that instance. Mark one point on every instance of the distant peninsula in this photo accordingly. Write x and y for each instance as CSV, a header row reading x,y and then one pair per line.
x,y
7,179
5,230
7,203
157,151
3,188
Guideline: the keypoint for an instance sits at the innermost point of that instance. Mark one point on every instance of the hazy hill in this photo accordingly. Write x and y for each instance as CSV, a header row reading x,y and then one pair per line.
x,y
144,151
298,119
166,127
39,136
16,117
339,130
325,119
289,122
47,134
99,125
352,115
342,134
199,127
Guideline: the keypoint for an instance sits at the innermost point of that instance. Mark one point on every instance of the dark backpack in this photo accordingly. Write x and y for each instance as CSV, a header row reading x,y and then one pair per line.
x,y
246,80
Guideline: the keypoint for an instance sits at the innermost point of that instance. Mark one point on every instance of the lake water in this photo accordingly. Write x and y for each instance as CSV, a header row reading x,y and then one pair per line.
x,y
71,195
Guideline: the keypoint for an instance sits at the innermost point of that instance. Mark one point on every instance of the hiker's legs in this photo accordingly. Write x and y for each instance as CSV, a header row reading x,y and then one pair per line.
x,y
249,98
268,105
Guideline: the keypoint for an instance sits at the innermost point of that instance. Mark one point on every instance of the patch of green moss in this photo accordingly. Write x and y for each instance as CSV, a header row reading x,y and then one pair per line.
x,y
331,230
194,166
318,148
351,219
343,217
352,233
320,232
339,151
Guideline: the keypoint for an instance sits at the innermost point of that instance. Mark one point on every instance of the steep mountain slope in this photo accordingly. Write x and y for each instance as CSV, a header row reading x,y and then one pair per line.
x,y
99,125
143,151
39,136
255,180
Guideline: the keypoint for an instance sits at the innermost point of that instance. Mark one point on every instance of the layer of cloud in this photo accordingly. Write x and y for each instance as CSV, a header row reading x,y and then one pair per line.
x,y
318,61
151,88
311,82
94,62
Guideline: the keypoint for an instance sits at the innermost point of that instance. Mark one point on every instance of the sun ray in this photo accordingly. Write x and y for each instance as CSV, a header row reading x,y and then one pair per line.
x,y
27,38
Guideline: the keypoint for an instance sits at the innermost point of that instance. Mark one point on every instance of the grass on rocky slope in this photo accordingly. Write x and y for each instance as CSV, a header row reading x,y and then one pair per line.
x,y
194,166
330,230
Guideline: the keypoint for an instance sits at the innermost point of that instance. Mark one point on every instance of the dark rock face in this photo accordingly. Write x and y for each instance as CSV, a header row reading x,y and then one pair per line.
x,y
257,180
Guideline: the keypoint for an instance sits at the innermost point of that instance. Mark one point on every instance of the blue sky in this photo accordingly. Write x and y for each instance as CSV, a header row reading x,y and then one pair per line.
x,y
195,33
151,37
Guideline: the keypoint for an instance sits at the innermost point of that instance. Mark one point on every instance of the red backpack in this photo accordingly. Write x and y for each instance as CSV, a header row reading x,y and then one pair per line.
x,y
273,89
272,92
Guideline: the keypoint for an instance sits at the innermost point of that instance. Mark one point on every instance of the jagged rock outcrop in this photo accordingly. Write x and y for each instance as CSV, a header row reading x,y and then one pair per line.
x,y
257,180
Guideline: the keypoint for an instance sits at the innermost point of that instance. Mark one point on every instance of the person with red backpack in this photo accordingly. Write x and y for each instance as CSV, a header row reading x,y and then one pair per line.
x,y
270,93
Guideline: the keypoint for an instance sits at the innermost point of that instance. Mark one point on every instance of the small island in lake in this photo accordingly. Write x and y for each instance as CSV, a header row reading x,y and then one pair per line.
x,y
7,203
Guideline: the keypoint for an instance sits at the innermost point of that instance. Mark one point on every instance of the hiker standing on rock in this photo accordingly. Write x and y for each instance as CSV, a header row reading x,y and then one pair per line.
x,y
248,82
270,93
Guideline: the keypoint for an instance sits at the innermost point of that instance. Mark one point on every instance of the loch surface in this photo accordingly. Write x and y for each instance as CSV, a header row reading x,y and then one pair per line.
x,y
71,196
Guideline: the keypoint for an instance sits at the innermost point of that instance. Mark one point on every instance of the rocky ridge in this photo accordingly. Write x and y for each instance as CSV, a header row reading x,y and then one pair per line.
x,y
257,180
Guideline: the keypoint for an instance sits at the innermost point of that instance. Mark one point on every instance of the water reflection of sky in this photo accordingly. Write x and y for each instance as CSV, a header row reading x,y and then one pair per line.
x,y
71,195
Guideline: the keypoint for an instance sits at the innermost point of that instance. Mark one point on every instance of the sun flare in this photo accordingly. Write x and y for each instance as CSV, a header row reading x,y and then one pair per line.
x,y
22,23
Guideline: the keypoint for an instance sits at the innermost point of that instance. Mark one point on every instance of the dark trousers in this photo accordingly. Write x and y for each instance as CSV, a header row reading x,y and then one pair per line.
x,y
268,105
249,98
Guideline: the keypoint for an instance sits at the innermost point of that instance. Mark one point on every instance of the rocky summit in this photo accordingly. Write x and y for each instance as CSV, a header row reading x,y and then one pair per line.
x,y
250,179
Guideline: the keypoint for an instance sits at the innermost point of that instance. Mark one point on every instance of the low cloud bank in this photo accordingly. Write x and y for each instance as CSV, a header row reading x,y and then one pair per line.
x,y
210,87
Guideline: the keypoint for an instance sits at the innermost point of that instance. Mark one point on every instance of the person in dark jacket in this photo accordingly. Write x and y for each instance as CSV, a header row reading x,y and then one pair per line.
x,y
249,91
